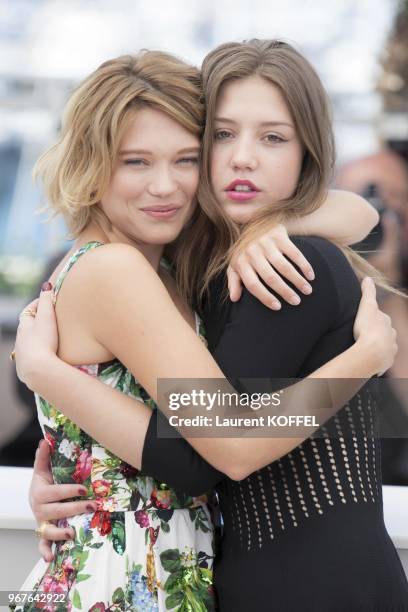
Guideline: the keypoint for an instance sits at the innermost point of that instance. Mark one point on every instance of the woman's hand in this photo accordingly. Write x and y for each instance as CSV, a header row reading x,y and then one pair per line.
x,y
268,258
373,329
37,338
46,501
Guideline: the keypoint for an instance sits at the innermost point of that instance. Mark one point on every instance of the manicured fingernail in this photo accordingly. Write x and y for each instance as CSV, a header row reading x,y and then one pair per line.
x,y
82,491
294,300
69,534
276,305
307,289
310,275
41,442
46,286
91,508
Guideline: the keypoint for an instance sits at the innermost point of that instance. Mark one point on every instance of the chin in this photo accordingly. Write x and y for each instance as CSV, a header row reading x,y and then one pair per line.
x,y
239,213
164,236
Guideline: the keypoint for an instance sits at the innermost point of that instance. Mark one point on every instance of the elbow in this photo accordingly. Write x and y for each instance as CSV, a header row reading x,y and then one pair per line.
x,y
237,474
239,470
371,219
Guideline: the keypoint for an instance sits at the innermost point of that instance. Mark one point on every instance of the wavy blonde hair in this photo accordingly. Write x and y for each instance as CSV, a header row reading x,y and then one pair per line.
x,y
76,171
284,67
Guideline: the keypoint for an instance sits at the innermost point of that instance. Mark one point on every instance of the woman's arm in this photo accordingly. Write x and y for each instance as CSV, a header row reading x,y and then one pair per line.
x,y
157,343
344,217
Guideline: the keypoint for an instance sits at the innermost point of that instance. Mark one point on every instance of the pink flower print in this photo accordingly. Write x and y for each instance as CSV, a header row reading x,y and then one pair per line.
x,y
51,584
161,499
68,565
142,518
83,467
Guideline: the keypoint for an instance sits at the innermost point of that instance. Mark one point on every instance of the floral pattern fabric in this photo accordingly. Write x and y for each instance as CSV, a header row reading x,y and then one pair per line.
x,y
147,547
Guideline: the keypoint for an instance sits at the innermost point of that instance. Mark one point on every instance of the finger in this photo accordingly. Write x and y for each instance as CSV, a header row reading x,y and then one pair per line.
x,y
254,286
234,284
57,534
291,251
288,272
32,305
45,548
42,461
56,511
275,282
60,492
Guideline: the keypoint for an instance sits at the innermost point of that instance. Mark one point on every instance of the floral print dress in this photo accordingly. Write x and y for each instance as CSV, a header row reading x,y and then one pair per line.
x,y
146,548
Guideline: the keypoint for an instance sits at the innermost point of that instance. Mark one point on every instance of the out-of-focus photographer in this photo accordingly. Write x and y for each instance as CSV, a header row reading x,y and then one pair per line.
x,y
383,179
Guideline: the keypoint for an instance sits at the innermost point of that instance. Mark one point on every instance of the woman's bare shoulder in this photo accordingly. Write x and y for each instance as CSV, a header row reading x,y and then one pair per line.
x,y
112,261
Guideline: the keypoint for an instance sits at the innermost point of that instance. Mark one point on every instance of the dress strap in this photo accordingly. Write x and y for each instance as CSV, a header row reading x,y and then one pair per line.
x,y
71,261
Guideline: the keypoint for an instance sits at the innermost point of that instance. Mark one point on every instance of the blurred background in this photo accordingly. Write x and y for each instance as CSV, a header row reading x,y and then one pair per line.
x,y
360,49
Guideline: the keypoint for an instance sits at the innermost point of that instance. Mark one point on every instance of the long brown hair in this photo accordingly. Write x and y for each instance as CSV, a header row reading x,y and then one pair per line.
x,y
282,65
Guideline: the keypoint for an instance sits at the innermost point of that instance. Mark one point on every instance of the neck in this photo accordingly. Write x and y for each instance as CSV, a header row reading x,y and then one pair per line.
x,y
152,252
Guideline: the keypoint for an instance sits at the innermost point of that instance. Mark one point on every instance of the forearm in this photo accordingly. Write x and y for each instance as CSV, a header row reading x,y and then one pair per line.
x,y
187,471
120,424
344,217
341,378
117,421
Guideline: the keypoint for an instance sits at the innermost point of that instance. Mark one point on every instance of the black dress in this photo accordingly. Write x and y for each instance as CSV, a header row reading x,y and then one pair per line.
x,y
307,531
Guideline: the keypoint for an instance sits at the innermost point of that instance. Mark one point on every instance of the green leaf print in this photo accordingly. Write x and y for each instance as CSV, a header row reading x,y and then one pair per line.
x,y
174,600
112,475
119,536
83,559
62,475
45,407
82,577
72,432
173,583
76,600
170,560
118,596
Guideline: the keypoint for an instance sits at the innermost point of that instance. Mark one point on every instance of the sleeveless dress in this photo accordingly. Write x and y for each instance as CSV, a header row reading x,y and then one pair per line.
x,y
147,547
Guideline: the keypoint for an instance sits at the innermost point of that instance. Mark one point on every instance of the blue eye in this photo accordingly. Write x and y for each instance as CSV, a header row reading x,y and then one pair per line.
x,y
222,135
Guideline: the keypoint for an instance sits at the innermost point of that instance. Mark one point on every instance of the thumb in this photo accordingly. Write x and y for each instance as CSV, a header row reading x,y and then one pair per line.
x,y
42,460
368,289
45,306
234,284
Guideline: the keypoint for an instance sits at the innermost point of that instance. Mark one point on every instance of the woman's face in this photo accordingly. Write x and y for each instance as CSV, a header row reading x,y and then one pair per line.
x,y
154,179
257,155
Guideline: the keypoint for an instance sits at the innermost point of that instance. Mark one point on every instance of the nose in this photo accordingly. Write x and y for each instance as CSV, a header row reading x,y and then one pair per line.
x,y
162,183
243,156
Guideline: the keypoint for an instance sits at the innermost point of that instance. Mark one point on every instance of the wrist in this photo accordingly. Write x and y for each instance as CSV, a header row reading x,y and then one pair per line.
x,y
37,373
366,354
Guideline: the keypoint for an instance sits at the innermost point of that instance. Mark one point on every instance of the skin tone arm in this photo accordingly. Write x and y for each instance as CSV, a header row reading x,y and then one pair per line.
x,y
268,256
149,346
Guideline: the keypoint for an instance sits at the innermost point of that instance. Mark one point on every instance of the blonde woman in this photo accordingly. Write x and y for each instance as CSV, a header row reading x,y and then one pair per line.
x,y
140,545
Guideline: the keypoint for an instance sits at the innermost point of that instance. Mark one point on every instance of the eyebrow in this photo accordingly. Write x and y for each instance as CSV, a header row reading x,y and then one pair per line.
x,y
262,124
147,152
